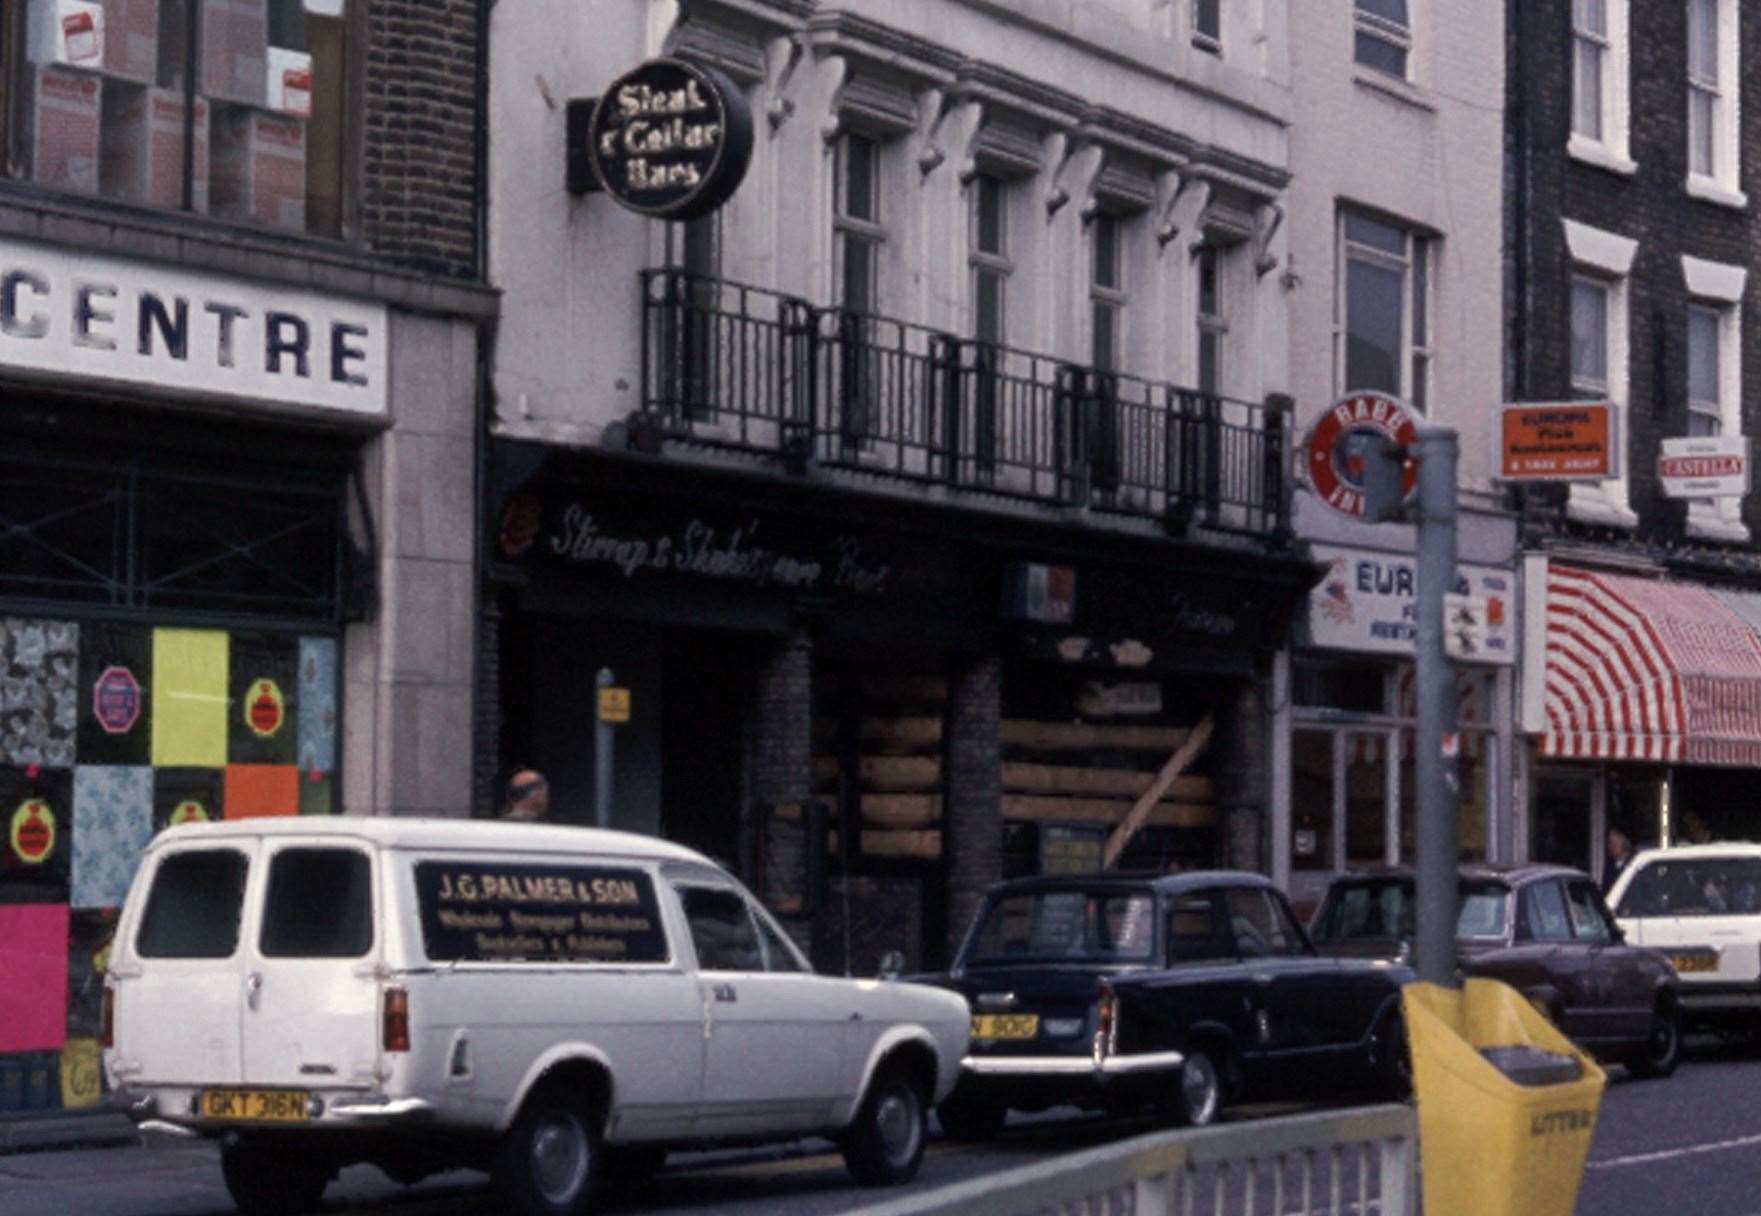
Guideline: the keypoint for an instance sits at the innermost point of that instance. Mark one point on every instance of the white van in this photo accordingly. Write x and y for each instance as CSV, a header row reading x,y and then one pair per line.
x,y
553,1004
1701,906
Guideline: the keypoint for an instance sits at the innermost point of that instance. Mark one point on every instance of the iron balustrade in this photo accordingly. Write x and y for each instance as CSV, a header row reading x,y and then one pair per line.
x,y
734,366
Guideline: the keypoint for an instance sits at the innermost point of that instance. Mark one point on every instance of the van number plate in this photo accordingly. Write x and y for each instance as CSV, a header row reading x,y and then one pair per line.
x,y
1694,962
1005,1025
255,1105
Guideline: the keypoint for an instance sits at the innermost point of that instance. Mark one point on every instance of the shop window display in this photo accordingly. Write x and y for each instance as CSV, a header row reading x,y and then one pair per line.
x,y
110,732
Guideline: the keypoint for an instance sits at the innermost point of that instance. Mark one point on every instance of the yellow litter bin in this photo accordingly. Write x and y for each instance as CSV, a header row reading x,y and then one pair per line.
x,y
1491,1145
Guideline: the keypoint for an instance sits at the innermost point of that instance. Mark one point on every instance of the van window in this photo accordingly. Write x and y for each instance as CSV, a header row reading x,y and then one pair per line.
x,y
722,930
195,906
320,905
514,912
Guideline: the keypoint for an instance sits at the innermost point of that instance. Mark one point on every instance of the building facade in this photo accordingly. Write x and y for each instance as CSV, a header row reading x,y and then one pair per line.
x,y
930,497
1632,151
240,304
1394,303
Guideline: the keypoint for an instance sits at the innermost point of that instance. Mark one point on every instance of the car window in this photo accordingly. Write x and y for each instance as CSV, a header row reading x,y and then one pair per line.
x,y
1698,886
1259,925
194,910
722,930
1588,921
1482,910
1194,932
320,905
1093,925
778,954
1545,914
1365,910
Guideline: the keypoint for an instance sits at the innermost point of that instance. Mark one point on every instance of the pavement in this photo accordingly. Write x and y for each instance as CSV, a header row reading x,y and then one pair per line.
x,y
65,1129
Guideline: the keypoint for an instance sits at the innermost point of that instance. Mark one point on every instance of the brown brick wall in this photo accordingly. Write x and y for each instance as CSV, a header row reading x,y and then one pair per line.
x,y
419,197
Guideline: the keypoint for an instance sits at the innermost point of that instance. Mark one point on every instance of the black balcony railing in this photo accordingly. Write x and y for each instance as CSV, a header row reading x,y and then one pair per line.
x,y
735,366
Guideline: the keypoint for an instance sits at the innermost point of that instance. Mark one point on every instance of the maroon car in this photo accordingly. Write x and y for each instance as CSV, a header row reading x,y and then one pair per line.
x,y
1542,929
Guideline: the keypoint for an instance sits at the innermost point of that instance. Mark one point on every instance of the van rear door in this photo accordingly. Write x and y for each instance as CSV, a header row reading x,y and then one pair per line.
x,y
311,989
179,990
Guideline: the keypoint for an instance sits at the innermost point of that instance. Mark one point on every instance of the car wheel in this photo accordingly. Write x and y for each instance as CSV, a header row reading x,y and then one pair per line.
x,y
550,1159
1197,1096
1663,1046
971,1118
1390,1061
884,1145
271,1178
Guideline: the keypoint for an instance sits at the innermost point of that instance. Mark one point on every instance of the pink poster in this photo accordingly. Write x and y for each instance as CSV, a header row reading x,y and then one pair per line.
x,y
33,977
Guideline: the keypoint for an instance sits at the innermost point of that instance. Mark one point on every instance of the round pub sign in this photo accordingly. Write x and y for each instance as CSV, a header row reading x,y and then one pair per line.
x,y
1333,453
265,708
671,139
33,831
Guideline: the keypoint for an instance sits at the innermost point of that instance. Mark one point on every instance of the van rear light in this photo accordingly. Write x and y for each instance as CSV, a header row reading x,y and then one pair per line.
x,y
107,1021
396,1022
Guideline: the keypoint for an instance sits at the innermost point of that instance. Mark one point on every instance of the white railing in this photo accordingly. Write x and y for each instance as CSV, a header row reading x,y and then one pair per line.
x,y
1338,1163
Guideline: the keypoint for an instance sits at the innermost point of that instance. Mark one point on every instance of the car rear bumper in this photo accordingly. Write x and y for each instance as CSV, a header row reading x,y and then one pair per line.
x,y
170,1110
1072,1066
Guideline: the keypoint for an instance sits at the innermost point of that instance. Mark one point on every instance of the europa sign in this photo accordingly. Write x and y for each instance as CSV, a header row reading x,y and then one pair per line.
x,y
1714,466
1558,441
671,139
1333,454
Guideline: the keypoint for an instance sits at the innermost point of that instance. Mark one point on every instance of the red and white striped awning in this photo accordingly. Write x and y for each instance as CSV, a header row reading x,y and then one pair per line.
x,y
1639,669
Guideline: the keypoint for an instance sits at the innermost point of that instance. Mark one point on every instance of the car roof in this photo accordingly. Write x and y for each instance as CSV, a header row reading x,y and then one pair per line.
x,y
408,832
1722,848
1513,873
1185,880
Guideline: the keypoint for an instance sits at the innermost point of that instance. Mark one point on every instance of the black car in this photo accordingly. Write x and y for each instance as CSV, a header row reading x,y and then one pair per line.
x,y
1182,992
1544,930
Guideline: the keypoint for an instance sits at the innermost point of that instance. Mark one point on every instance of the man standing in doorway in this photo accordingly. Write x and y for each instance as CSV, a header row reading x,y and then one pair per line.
x,y
1620,852
528,797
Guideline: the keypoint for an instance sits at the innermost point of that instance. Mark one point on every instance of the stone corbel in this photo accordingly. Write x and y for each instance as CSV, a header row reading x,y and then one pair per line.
x,y
829,75
1189,205
1052,160
1167,195
1077,178
961,127
1267,218
929,121
782,55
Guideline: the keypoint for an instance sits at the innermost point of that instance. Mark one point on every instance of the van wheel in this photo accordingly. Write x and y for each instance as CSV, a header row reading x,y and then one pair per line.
x,y
1663,1047
884,1145
549,1159
272,1178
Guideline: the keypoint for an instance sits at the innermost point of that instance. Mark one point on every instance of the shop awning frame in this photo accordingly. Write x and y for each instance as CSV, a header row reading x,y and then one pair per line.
x,y
1639,669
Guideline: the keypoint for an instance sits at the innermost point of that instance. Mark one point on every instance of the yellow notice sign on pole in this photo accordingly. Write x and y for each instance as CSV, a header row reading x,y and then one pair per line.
x,y
614,705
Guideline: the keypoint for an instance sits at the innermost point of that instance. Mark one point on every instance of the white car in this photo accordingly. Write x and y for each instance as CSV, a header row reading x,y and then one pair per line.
x,y
1701,906
553,1004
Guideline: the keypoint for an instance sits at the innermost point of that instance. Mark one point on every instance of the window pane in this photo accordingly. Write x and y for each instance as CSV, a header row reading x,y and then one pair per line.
x,y
1388,10
858,274
1208,303
988,326
1589,332
1206,19
1105,337
1209,356
319,905
1586,108
722,931
777,955
1547,919
1419,393
1704,425
1701,108
1362,230
1421,291
1590,15
195,906
702,253
1703,40
1380,54
859,157
1106,251
1373,300
990,216
1703,355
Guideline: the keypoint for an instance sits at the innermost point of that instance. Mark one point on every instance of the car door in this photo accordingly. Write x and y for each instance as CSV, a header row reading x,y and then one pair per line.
x,y
1287,994
180,990
775,1038
1626,975
1550,967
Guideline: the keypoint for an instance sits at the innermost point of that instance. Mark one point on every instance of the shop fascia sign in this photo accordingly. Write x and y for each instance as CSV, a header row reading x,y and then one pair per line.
x,y
1367,602
668,139
1713,466
1334,450
1558,441
87,317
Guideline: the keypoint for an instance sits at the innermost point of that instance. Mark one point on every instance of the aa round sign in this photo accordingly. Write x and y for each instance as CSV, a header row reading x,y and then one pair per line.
x,y
1333,452
671,139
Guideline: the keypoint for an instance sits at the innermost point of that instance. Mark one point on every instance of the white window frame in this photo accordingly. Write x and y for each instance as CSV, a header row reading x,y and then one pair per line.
x,y
1212,43
1383,30
1418,246
1718,287
1607,258
1611,148
1724,184
1211,326
998,262
1116,298
871,231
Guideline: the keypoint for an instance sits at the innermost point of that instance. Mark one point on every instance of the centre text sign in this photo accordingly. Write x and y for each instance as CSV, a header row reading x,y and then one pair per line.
x,y
1368,602
1559,441
96,318
671,139
1714,466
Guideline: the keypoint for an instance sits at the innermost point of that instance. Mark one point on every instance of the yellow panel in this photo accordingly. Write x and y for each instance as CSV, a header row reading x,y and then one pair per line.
x,y
189,697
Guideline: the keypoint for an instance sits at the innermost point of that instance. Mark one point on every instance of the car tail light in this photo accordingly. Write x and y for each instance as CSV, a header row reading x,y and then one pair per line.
x,y
396,1022
1106,1023
107,1020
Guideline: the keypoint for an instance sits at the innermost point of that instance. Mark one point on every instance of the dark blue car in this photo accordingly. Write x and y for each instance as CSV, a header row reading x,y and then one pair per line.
x,y
1179,992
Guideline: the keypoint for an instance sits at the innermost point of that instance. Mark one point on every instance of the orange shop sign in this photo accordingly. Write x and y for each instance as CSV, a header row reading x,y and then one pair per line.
x,y
1559,441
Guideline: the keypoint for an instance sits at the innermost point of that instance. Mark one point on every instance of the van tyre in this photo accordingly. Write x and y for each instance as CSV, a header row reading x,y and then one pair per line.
x,y
884,1145
1663,1046
270,1178
550,1159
